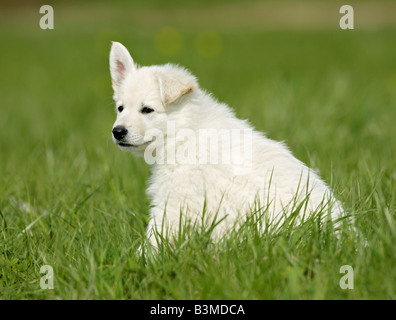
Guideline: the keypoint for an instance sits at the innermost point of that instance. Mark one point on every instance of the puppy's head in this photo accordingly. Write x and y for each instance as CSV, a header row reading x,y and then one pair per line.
x,y
143,96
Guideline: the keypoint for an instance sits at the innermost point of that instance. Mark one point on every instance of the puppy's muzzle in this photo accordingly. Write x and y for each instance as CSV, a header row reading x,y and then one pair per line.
x,y
119,132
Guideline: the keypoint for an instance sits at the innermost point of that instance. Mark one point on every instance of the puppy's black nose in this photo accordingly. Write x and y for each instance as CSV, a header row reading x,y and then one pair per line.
x,y
119,132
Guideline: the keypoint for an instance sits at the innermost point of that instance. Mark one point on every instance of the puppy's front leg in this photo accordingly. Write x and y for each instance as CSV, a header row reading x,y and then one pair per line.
x,y
152,239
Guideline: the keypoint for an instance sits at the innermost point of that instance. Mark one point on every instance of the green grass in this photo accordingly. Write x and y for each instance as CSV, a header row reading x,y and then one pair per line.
x,y
330,94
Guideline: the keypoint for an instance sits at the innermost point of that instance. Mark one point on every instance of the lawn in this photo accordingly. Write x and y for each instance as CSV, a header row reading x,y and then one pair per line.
x,y
71,200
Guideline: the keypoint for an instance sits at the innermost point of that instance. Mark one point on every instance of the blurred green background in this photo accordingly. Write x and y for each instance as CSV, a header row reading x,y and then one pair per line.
x,y
284,65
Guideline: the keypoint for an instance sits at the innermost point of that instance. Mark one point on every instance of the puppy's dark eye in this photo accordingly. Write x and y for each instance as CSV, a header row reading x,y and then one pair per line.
x,y
146,110
120,108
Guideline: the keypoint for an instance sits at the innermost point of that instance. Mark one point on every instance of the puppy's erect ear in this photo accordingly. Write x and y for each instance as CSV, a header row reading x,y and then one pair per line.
x,y
175,82
121,63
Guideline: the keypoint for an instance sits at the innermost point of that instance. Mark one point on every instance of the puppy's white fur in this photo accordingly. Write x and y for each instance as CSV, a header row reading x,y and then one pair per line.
x,y
276,180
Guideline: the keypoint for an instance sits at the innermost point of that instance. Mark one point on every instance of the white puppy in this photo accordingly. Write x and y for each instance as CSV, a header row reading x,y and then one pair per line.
x,y
203,158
